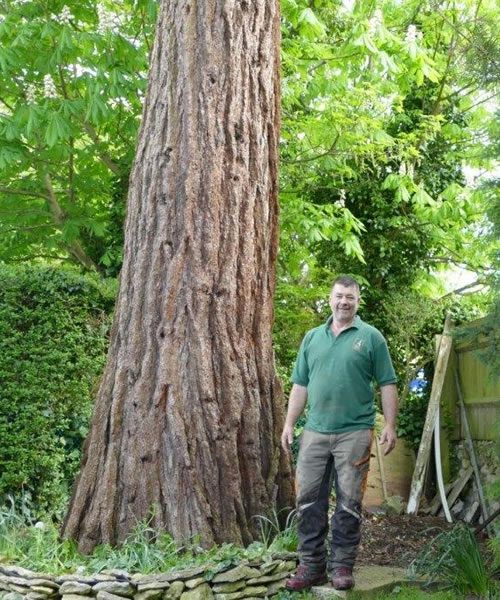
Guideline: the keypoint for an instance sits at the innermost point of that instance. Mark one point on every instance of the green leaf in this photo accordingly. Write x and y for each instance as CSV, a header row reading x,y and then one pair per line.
x,y
422,198
309,24
57,129
391,182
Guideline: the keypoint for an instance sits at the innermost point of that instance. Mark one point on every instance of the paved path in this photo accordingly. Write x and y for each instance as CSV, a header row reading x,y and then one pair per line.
x,y
369,582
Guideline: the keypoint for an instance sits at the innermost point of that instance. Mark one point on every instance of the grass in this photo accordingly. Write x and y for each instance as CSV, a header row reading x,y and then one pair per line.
x,y
274,537
454,558
398,593
37,546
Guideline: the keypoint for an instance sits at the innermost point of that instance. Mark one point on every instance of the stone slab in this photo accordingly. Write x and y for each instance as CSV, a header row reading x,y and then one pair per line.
x,y
174,591
44,582
45,590
370,581
153,585
192,583
235,574
202,592
149,594
173,575
75,587
117,588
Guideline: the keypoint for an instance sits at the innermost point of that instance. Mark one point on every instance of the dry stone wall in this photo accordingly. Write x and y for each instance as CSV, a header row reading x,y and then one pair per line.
x,y
246,580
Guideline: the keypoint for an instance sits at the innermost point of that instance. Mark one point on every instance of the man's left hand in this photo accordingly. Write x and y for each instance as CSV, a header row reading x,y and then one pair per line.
x,y
389,438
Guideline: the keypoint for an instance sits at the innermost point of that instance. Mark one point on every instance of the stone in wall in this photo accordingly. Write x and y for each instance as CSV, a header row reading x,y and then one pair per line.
x,y
239,572
75,587
202,592
116,588
174,591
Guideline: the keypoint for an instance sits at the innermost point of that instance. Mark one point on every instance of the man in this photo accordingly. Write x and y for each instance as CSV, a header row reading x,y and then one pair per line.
x,y
336,367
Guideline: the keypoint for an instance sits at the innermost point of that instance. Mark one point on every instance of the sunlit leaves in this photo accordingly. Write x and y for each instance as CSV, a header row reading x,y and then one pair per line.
x,y
71,93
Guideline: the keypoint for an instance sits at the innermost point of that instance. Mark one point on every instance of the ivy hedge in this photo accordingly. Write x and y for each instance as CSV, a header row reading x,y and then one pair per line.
x,y
53,340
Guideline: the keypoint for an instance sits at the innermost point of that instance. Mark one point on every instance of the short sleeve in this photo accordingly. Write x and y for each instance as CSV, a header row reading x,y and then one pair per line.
x,y
300,374
383,370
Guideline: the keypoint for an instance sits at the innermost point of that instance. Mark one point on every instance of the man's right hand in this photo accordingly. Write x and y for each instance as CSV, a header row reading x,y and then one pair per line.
x,y
287,437
296,404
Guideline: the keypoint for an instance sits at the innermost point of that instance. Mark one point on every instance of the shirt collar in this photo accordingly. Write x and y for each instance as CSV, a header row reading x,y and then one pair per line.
x,y
356,324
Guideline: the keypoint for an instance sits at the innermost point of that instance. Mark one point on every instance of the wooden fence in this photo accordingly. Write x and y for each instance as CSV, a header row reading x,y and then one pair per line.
x,y
481,392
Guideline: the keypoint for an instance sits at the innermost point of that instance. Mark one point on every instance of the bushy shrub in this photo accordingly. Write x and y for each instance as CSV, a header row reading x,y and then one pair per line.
x,y
411,419
53,340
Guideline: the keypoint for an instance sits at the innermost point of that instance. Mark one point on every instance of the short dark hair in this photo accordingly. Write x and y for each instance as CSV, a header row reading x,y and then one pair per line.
x,y
346,281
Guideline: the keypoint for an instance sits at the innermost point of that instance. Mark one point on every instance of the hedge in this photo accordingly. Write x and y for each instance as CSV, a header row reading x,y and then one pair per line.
x,y
53,341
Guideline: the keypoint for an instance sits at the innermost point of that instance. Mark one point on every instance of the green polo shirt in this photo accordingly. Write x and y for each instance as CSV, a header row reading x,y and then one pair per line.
x,y
339,373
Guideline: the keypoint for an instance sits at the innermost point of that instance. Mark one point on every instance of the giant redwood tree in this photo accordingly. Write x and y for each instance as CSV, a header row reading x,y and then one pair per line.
x,y
188,416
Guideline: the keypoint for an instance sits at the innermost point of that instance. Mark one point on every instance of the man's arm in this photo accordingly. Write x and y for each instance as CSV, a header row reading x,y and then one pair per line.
x,y
296,404
389,395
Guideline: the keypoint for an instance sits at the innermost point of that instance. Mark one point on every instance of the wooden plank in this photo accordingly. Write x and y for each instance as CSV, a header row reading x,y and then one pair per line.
x,y
435,503
430,420
472,454
471,513
458,486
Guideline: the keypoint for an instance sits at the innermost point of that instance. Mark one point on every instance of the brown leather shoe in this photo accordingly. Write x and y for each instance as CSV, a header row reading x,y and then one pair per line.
x,y
342,578
304,578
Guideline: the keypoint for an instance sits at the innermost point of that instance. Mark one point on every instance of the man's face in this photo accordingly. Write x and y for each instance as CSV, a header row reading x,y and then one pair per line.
x,y
344,302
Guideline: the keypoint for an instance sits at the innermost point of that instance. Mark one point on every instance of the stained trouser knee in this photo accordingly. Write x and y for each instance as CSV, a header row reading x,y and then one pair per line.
x,y
346,532
312,525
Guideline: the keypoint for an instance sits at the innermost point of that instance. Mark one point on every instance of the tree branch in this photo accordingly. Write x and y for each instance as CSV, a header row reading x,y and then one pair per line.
x,y
311,158
74,247
3,101
106,159
462,289
28,228
7,190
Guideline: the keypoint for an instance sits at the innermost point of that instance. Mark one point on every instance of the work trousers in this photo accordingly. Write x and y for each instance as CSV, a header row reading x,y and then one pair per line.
x,y
326,459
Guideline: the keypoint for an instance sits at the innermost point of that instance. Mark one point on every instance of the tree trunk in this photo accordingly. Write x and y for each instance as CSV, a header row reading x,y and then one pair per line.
x,y
188,417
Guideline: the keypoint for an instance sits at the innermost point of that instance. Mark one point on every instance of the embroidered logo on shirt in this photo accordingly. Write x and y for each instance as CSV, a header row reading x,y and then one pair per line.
x,y
358,345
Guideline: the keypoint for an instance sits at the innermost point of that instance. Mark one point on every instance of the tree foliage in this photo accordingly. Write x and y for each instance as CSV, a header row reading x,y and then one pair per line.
x,y
384,125
383,104
68,121
380,116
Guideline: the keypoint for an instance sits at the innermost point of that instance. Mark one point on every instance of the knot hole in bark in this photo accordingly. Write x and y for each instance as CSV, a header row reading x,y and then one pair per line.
x,y
238,132
167,153
146,458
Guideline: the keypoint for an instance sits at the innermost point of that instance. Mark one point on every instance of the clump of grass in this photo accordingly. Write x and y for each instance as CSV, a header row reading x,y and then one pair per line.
x,y
276,538
454,558
29,542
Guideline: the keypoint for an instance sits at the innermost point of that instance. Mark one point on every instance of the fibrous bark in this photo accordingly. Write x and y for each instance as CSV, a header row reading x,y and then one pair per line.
x,y
189,412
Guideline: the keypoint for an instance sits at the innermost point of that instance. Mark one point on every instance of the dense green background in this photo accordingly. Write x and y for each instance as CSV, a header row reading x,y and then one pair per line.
x,y
53,326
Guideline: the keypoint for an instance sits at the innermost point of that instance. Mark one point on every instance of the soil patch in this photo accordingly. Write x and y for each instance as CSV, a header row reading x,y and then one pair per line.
x,y
396,540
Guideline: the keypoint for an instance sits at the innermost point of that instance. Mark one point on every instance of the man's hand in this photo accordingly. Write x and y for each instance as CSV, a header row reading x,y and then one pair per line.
x,y
287,437
298,399
388,437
